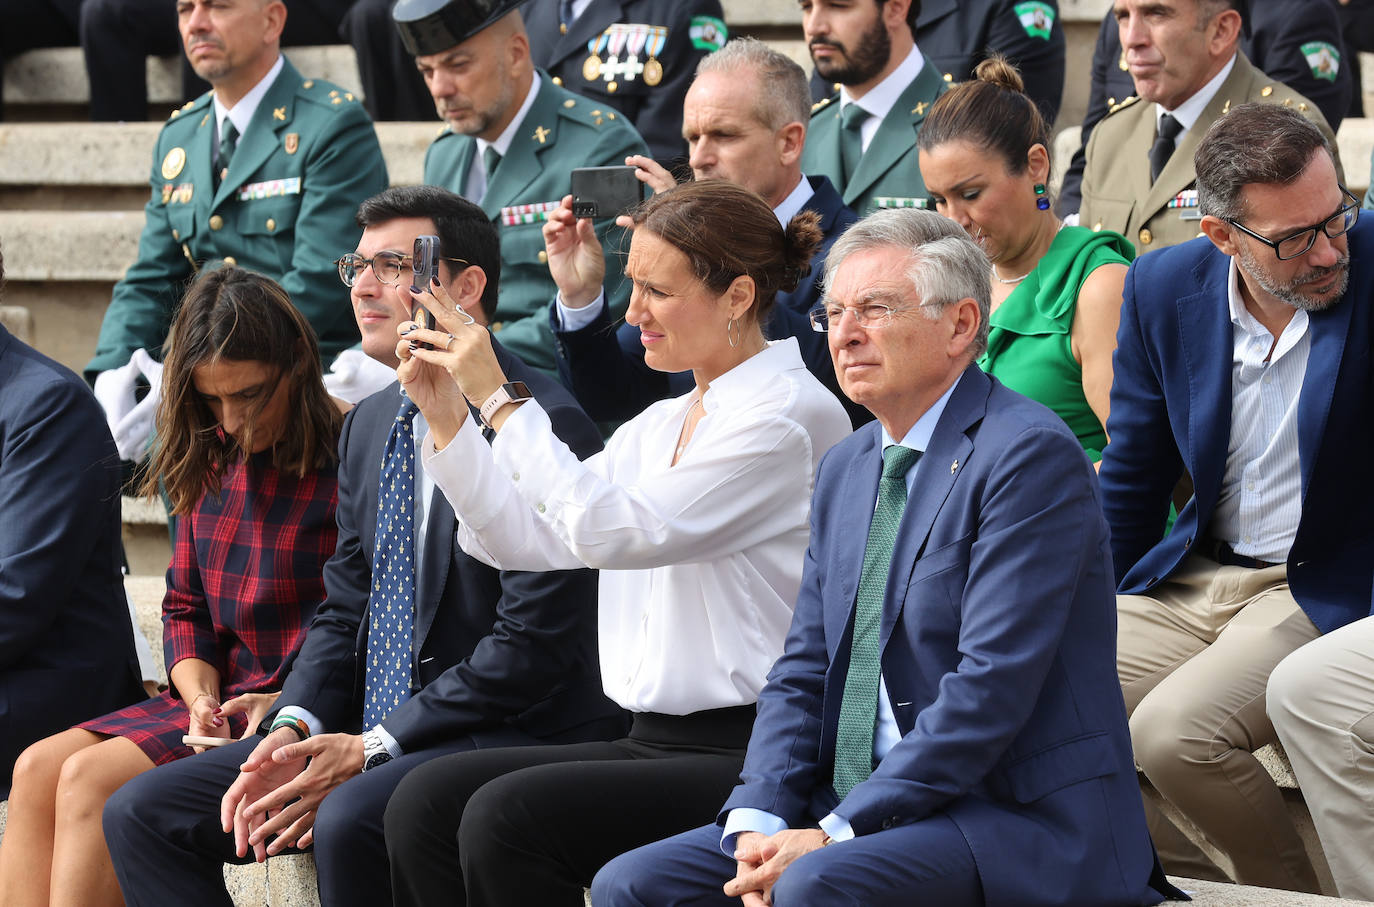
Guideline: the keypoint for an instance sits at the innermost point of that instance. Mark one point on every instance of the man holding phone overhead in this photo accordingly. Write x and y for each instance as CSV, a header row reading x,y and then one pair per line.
x,y
511,139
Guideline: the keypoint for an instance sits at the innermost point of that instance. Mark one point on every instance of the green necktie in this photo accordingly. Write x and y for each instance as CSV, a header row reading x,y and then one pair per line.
x,y
859,704
490,159
851,138
229,140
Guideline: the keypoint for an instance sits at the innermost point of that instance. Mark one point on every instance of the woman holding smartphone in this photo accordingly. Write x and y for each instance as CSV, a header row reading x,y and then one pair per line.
x,y
246,437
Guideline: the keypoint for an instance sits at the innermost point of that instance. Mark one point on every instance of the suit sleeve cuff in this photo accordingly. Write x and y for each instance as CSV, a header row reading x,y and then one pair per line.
x,y
746,819
837,827
570,320
294,711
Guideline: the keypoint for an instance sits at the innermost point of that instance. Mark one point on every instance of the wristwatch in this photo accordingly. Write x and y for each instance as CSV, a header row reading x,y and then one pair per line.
x,y
514,392
374,750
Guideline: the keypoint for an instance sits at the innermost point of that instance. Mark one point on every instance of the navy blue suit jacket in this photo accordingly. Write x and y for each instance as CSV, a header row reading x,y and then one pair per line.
x,y
998,653
1171,411
66,644
604,365
495,647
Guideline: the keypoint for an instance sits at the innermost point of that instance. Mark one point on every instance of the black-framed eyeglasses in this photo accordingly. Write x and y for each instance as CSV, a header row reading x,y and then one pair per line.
x,y
386,266
1296,244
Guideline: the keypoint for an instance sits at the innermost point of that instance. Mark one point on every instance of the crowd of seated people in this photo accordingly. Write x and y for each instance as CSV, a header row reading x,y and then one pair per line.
x,y
934,519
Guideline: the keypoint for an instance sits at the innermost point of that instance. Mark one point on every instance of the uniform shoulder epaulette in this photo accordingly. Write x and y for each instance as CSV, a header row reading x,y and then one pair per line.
x,y
326,94
822,104
1122,105
587,112
205,98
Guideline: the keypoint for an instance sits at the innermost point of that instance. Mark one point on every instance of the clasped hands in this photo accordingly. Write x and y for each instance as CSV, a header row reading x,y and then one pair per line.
x,y
760,860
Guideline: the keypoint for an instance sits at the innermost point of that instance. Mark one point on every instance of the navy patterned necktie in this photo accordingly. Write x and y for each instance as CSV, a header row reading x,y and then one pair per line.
x,y
859,703
391,606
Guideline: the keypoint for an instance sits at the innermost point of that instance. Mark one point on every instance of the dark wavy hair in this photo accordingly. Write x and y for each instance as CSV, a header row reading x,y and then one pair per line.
x,y
234,314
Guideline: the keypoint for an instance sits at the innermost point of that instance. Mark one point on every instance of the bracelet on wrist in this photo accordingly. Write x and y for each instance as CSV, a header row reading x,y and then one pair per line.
x,y
290,721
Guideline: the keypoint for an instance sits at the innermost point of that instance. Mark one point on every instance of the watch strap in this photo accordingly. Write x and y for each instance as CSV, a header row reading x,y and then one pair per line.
x,y
512,392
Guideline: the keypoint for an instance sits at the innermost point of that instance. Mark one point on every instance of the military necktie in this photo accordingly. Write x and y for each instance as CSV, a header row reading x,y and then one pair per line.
x,y
851,138
1163,148
391,606
228,141
859,703
491,158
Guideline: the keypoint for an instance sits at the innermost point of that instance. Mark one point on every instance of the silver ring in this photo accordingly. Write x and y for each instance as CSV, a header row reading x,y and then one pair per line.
x,y
449,343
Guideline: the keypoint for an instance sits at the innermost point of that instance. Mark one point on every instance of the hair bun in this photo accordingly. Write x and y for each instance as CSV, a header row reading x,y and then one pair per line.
x,y
998,70
801,238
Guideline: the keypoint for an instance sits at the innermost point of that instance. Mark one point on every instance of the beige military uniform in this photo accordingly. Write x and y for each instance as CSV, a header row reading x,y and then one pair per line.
x,y
1117,194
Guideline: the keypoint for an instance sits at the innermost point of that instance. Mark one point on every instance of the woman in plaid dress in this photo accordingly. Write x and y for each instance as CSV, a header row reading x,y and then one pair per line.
x,y
246,454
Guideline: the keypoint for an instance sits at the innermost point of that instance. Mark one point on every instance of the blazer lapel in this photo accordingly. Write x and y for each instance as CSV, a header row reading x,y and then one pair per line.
x,y
199,160
860,497
897,134
1329,329
1205,342
521,165
948,451
260,140
438,548
589,25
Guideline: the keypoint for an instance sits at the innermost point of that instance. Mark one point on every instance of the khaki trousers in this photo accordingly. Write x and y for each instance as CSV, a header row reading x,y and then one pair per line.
x,y
1194,658
1321,700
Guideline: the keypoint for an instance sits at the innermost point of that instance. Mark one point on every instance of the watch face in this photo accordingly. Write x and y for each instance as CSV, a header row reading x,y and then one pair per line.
x,y
375,760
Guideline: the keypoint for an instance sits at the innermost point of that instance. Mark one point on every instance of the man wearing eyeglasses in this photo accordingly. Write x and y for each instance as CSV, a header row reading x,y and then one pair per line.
x,y
1242,360
493,658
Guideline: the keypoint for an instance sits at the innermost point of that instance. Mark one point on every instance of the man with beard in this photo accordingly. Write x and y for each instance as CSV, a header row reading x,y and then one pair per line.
x,y
1242,359
864,138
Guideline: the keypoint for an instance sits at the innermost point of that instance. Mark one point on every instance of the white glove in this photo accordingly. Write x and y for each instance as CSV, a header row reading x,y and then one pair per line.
x,y
356,375
131,422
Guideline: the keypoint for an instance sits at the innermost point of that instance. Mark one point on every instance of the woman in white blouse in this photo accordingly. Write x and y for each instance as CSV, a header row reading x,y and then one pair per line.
x,y
696,514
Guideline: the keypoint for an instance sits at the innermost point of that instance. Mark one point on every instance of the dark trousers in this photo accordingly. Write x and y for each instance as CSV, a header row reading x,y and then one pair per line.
x,y
533,825
164,835
393,88
925,863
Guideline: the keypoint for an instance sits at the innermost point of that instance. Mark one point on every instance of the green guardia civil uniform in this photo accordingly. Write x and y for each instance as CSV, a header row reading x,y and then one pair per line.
x,y
285,208
1117,192
887,175
560,132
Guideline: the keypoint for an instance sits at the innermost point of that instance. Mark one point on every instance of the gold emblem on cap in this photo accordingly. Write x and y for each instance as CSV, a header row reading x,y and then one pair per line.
x,y
1146,237
278,113
541,134
591,69
653,72
293,141
173,162
216,222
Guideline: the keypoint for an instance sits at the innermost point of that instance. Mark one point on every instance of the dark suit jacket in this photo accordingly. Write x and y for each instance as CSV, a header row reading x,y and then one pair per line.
x,y
66,644
655,110
1171,411
495,647
604,365
998,652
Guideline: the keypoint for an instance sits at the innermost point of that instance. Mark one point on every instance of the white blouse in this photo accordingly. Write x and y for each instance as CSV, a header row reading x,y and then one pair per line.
x,y
700,561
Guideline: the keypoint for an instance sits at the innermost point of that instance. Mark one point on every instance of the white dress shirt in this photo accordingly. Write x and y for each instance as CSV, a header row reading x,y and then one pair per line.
x,y
1260,504
886,733
477,171
241,114
700,561
880,99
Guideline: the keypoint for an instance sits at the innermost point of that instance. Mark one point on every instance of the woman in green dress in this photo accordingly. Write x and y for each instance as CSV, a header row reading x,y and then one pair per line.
x,y
1056,289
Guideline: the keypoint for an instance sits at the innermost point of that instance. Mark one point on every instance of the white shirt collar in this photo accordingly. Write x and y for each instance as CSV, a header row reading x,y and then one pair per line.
x,y
744,380
503,141
881,99
1241,317
1190,110
918,436
795,201
241,114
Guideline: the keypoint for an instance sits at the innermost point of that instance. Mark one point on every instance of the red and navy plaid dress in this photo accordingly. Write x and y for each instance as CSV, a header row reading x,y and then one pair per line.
x,y
245,579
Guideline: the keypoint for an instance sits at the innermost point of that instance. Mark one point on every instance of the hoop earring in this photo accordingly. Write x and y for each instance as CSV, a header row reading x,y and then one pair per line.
x,y
1041,201
733,337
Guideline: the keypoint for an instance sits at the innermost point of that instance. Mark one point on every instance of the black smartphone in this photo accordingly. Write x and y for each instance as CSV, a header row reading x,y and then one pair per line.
x,y
605,191
424,263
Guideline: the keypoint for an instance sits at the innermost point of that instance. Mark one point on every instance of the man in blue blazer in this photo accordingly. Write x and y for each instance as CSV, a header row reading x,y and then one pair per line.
x,y
498,658
745,121
1244,360
66,645
943,726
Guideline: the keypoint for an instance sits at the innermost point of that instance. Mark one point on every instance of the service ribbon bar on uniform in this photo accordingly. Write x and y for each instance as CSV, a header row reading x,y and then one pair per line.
x,y
527,214
270,189
888,201
1185,199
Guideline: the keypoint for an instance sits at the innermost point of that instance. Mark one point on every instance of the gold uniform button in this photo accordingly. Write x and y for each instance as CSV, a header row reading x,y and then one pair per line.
x,y
543,257
176,234
216,222
611,87
1302,107
1266,91
1111,102
558,80
1146,237
949,77
271,225
230,261
569,103
308,83
1097,227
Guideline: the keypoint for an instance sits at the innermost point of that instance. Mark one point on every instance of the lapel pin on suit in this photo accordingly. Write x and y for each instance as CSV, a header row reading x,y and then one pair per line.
x,y
953,467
